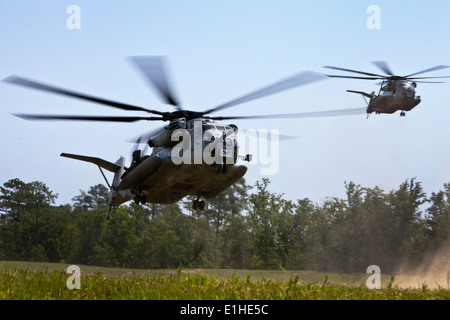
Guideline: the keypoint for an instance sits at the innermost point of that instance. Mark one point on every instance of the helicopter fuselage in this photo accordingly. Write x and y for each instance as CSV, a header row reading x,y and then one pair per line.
x,y
398,95
197,158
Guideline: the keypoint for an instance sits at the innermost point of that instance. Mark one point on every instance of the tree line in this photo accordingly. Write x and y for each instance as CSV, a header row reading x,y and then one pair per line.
x,y
246,227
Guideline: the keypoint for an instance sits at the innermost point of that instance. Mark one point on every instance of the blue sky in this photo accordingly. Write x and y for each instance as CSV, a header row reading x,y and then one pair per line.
x,y
217,51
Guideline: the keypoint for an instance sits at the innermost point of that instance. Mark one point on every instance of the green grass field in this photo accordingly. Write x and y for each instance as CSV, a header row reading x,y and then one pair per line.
x,y
38,281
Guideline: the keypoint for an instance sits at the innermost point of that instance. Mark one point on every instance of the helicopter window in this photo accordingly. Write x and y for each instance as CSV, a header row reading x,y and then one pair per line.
x,y
409,84
213,127
208,127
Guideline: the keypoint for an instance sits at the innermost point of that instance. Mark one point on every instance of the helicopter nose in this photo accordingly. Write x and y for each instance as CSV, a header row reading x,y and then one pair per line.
x,y
410,92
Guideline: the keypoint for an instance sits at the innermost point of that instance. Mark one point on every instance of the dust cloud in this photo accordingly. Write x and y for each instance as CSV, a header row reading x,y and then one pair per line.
x,y
433,272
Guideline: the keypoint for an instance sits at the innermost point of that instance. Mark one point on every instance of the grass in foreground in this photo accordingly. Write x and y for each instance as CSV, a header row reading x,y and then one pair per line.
x,y
27,283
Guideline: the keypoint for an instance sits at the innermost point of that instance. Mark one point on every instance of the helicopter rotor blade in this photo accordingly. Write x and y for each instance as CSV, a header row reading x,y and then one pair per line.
x,y
84,118
48,88
382,65
428,70
155,71
286,84
266,135
355,71
329,113
420,81
351,77
143,138
414,78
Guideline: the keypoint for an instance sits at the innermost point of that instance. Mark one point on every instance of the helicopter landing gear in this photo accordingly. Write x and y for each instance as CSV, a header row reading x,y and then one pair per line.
x,y
136,156
221,168
140,198
198,204
111,208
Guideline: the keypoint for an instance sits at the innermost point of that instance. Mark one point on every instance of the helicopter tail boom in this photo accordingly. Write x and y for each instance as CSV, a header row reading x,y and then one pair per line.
x,y
113,167
115,198
368,95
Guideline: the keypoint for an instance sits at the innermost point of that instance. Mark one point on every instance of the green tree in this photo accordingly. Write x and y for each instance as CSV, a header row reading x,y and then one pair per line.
x,y
13,198
95,198
263,208
219,213
438,220
408,237
235,248
377,231
301,234
90,247
52,225
170,238
141,216
284,232
14,234
69,244
119,238
336,235
40,200
23,206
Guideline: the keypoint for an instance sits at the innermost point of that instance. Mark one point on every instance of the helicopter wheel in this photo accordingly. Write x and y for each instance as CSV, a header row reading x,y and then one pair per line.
x,y
136,156
198,205
140,199
195,204
402,114
224,169
221,168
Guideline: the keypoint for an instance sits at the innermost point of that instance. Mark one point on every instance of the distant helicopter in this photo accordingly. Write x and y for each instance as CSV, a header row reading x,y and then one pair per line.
x,y
397,93
191,155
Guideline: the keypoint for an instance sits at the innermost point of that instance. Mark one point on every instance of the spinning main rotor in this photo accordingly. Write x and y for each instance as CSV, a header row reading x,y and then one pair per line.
x,y
154,71
382,65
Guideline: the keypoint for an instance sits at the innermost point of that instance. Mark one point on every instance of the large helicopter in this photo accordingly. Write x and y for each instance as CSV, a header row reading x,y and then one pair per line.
x,y
192,155
397,93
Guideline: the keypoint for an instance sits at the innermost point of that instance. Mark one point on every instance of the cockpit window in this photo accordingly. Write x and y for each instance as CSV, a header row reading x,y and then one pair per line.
x,y
215,127
208,127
